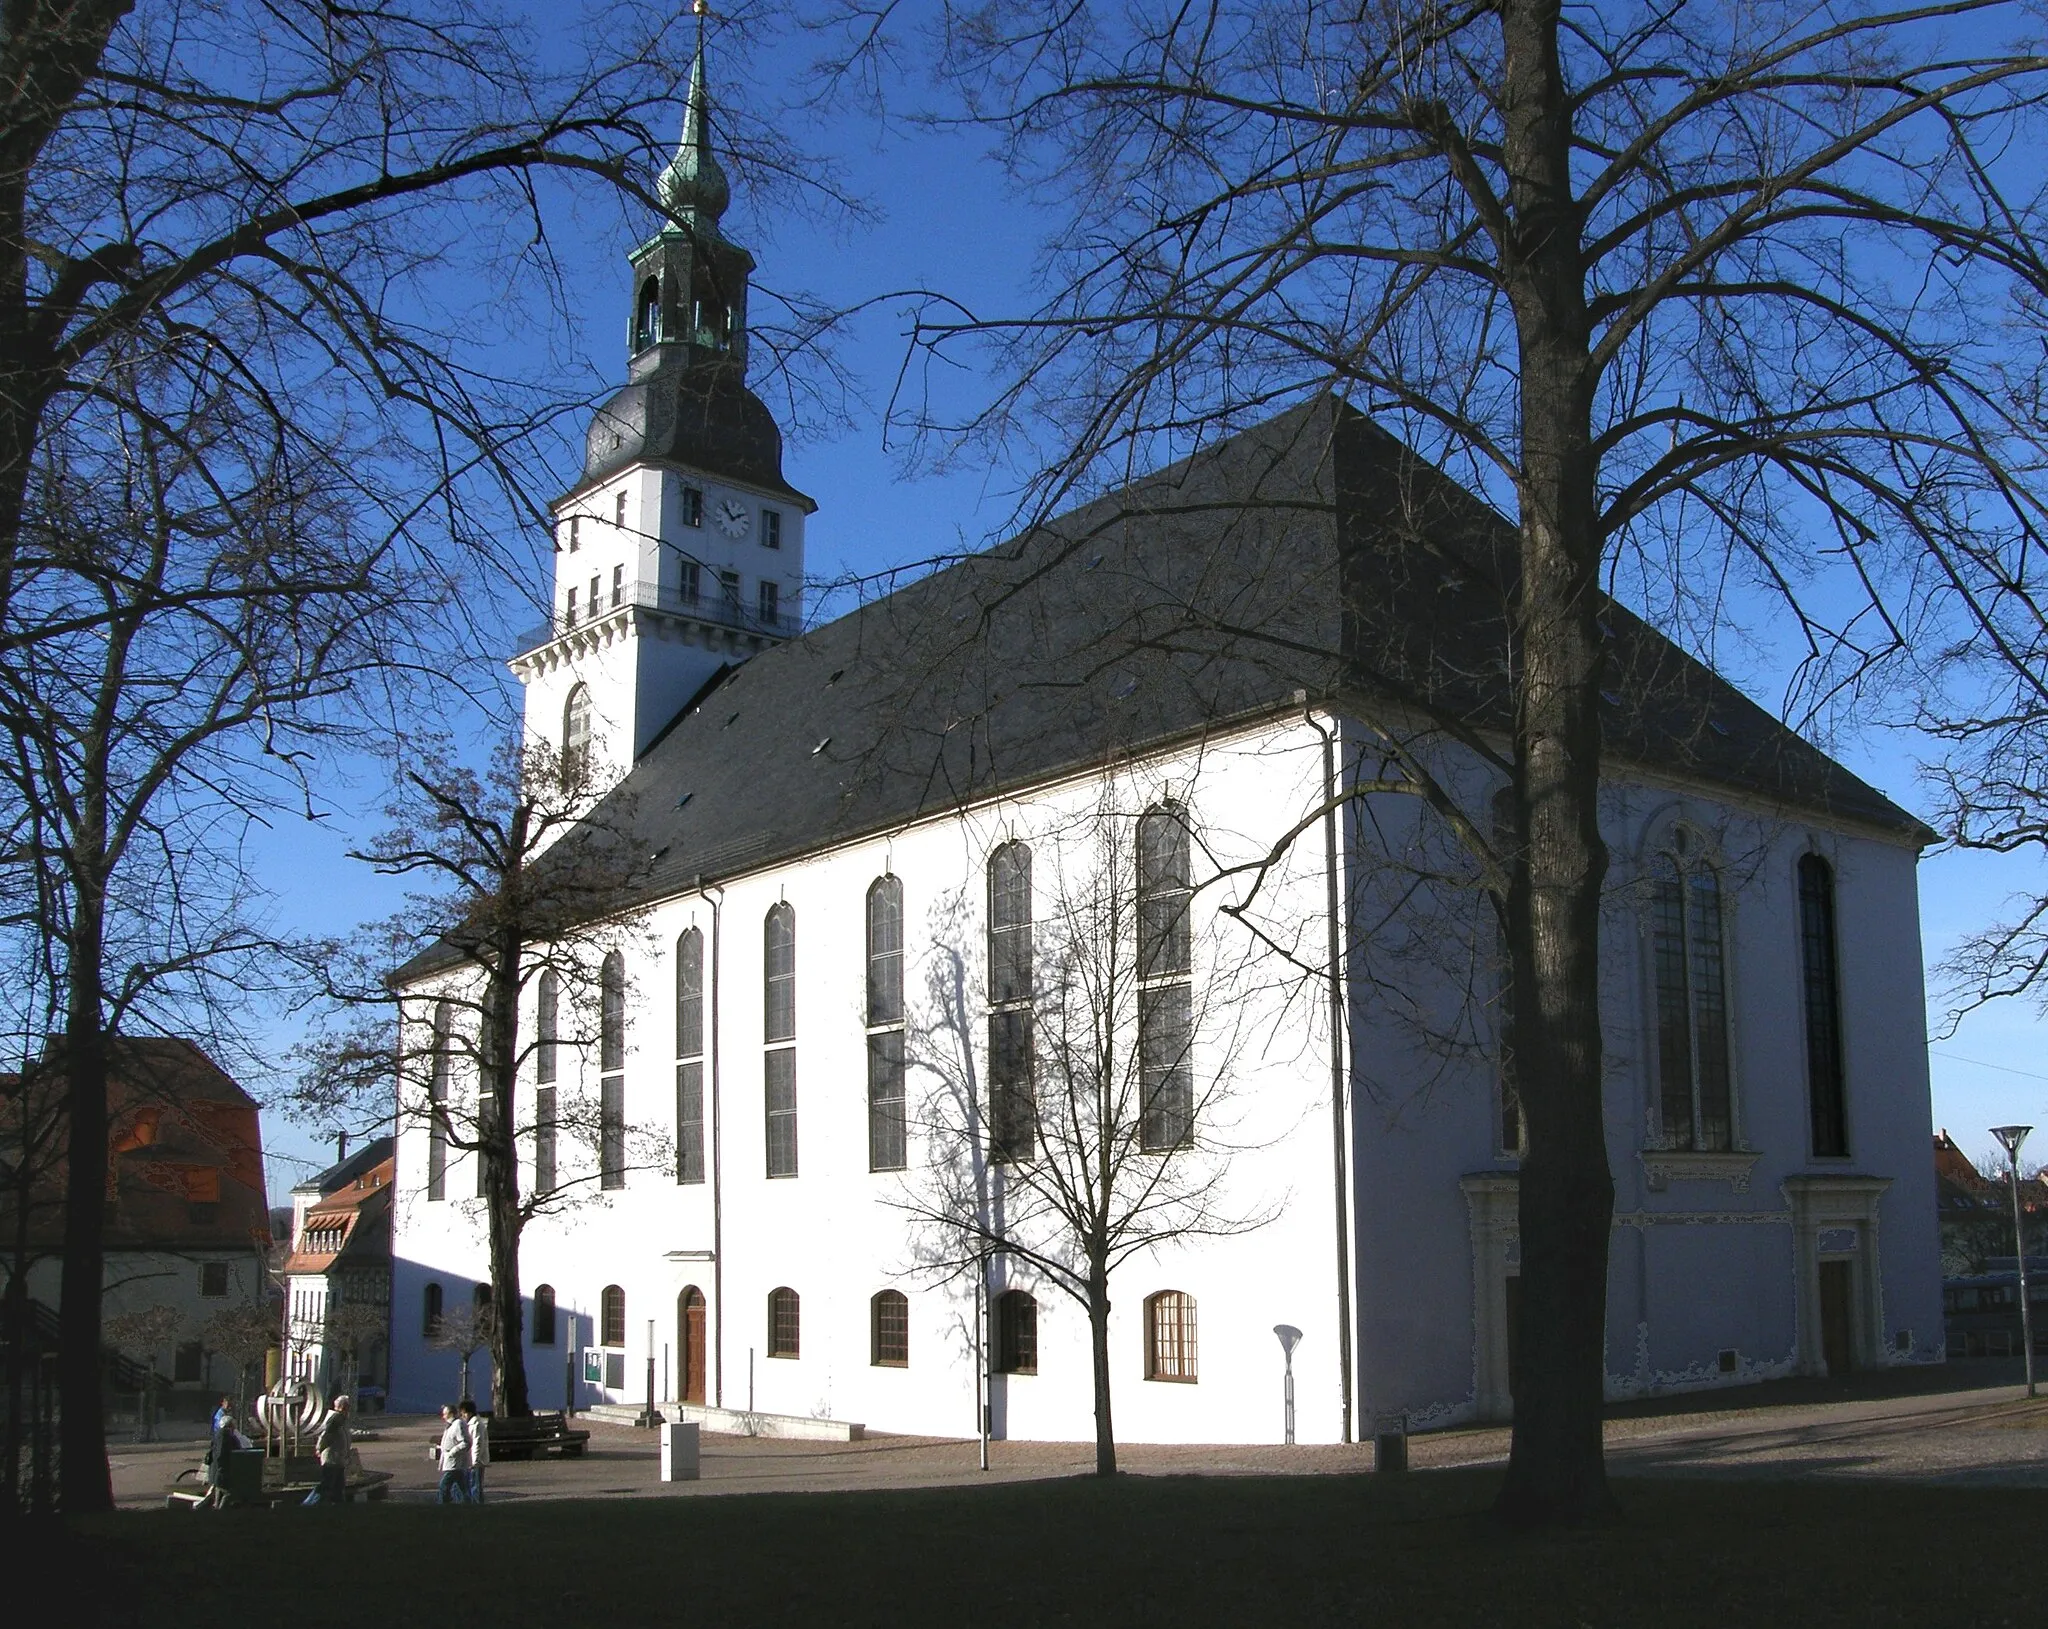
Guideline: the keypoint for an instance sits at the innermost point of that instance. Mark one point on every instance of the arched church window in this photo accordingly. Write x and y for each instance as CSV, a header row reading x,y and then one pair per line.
x,y
647,315
576,736
1692,997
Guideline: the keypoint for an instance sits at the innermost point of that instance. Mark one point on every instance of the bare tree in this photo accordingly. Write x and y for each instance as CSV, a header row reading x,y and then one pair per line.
x,y
1632,275
354,1329
465,1329
245,1336
527,880
1105,1126
147,1330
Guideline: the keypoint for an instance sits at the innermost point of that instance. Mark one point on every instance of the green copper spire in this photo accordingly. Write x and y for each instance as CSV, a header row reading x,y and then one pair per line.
x,y
693,186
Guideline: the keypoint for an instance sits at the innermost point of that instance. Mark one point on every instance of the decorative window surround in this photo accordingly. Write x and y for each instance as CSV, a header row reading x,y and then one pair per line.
x,y
1664,1166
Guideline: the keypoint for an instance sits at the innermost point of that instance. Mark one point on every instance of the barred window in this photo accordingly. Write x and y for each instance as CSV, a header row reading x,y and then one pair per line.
x,y
888,1104
611,1099
779,975
1170,1336
778,1072
1692,1000
1016,1333
889,1344
1012,1087
888,1131
544,1139
885,952
544,1315
547,1027
690,1121
437,1102
612,1316
1820,974
689,1053
784,1323
611,1048
1164,893
690,994
1009,925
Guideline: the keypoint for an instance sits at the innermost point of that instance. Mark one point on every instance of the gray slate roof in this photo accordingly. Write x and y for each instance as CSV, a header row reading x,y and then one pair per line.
x,y
1309,553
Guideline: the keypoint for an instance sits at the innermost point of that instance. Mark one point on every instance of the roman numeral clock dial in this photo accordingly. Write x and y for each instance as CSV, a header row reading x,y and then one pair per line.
x,y
732,518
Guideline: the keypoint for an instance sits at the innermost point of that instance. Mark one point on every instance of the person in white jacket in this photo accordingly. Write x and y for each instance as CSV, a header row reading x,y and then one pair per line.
x,y
452,1454
479,1430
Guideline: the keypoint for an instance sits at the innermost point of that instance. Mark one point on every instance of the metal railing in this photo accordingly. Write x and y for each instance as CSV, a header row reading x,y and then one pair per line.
x,y
710,604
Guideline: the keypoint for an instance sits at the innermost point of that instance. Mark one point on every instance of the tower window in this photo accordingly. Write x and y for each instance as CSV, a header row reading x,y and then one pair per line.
x,y
596,595
647,316
689,580
707,308
771,601
729,590
693,506
618,585
569,611
576,736
575,533
619,511
771,529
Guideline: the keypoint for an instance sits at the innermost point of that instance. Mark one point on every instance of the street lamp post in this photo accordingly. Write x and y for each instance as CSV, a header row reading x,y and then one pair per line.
x,y
2011,1137
649,1416
1290,1337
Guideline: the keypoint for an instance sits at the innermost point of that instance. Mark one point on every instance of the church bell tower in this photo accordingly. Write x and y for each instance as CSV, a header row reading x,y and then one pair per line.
x,y
680,550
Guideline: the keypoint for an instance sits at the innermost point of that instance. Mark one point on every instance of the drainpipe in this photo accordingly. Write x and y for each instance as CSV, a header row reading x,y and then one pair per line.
x,y
717,1164
1338,1129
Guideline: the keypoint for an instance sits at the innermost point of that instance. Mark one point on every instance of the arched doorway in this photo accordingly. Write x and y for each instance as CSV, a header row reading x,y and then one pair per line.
x,y
690,1342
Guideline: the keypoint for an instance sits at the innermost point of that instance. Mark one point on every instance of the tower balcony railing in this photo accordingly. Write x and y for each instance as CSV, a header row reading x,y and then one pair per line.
x,y
709,603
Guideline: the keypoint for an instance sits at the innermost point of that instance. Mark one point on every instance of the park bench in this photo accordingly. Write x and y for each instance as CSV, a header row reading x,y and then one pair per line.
x,y
535,1434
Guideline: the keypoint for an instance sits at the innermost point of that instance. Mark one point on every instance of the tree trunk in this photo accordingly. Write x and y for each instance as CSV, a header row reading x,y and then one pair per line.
x,y
500,1152
1098,1346
84,1484
1556,1469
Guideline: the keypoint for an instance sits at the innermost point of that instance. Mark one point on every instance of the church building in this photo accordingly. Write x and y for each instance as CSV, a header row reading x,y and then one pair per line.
x,y
898,861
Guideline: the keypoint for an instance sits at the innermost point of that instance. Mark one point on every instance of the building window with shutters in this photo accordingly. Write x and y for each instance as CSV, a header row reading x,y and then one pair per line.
x,y
1695,1103
1165,990
784,1323
690,1057
1820,974
1170,1336
437,1100
888,1127
693,506
544,1315
889,1327
1012,1073
778,971
611,1063
1016,1333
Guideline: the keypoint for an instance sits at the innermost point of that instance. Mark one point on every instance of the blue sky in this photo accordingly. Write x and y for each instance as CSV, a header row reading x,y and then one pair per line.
x,y
944,219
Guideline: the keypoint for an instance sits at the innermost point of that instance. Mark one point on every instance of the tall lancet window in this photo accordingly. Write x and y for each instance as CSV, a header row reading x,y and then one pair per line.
x,y
611,1064
1165,990
778,1033
887,1127
1012,1074
1692,998
1824,1084
576,736
690,1057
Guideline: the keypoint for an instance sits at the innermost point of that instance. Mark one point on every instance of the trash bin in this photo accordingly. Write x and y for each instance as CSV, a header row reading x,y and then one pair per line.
x,y
679,1451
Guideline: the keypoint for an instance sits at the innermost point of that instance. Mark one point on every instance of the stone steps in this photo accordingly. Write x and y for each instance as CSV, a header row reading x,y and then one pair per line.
x,y
735,1422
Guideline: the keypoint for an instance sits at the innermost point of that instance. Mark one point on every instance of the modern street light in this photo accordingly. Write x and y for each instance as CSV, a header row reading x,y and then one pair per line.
x,y
2011,1137
1290,1337
650,1416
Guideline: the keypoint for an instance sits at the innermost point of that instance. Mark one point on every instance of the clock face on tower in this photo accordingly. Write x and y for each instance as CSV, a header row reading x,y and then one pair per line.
x,y
732,518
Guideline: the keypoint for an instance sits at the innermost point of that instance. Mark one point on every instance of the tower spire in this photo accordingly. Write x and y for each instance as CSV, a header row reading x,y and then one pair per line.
x,y
693,186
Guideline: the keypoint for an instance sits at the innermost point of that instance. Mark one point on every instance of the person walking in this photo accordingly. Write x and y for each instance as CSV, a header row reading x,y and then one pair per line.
x,y
223,1414
333,1447
452,1453
479,1430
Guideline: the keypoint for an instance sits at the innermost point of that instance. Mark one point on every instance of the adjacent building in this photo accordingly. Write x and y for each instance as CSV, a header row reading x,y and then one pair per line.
x,y
337,1278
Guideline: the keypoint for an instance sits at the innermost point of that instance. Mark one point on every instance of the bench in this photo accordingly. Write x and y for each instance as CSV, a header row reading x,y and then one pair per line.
x,y
535,1434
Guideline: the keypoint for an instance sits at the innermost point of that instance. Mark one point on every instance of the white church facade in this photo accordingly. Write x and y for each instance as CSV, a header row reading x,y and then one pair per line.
x,y
863,838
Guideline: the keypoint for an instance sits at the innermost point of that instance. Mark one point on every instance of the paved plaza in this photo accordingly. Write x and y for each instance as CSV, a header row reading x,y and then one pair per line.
x,y
1967,1425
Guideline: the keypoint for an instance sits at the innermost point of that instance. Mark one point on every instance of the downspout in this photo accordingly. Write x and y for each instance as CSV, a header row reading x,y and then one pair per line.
x,y
1338,1095
717,1145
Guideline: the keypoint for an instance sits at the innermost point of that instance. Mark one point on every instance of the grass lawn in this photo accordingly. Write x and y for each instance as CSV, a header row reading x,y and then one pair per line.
x,y
1141,1550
